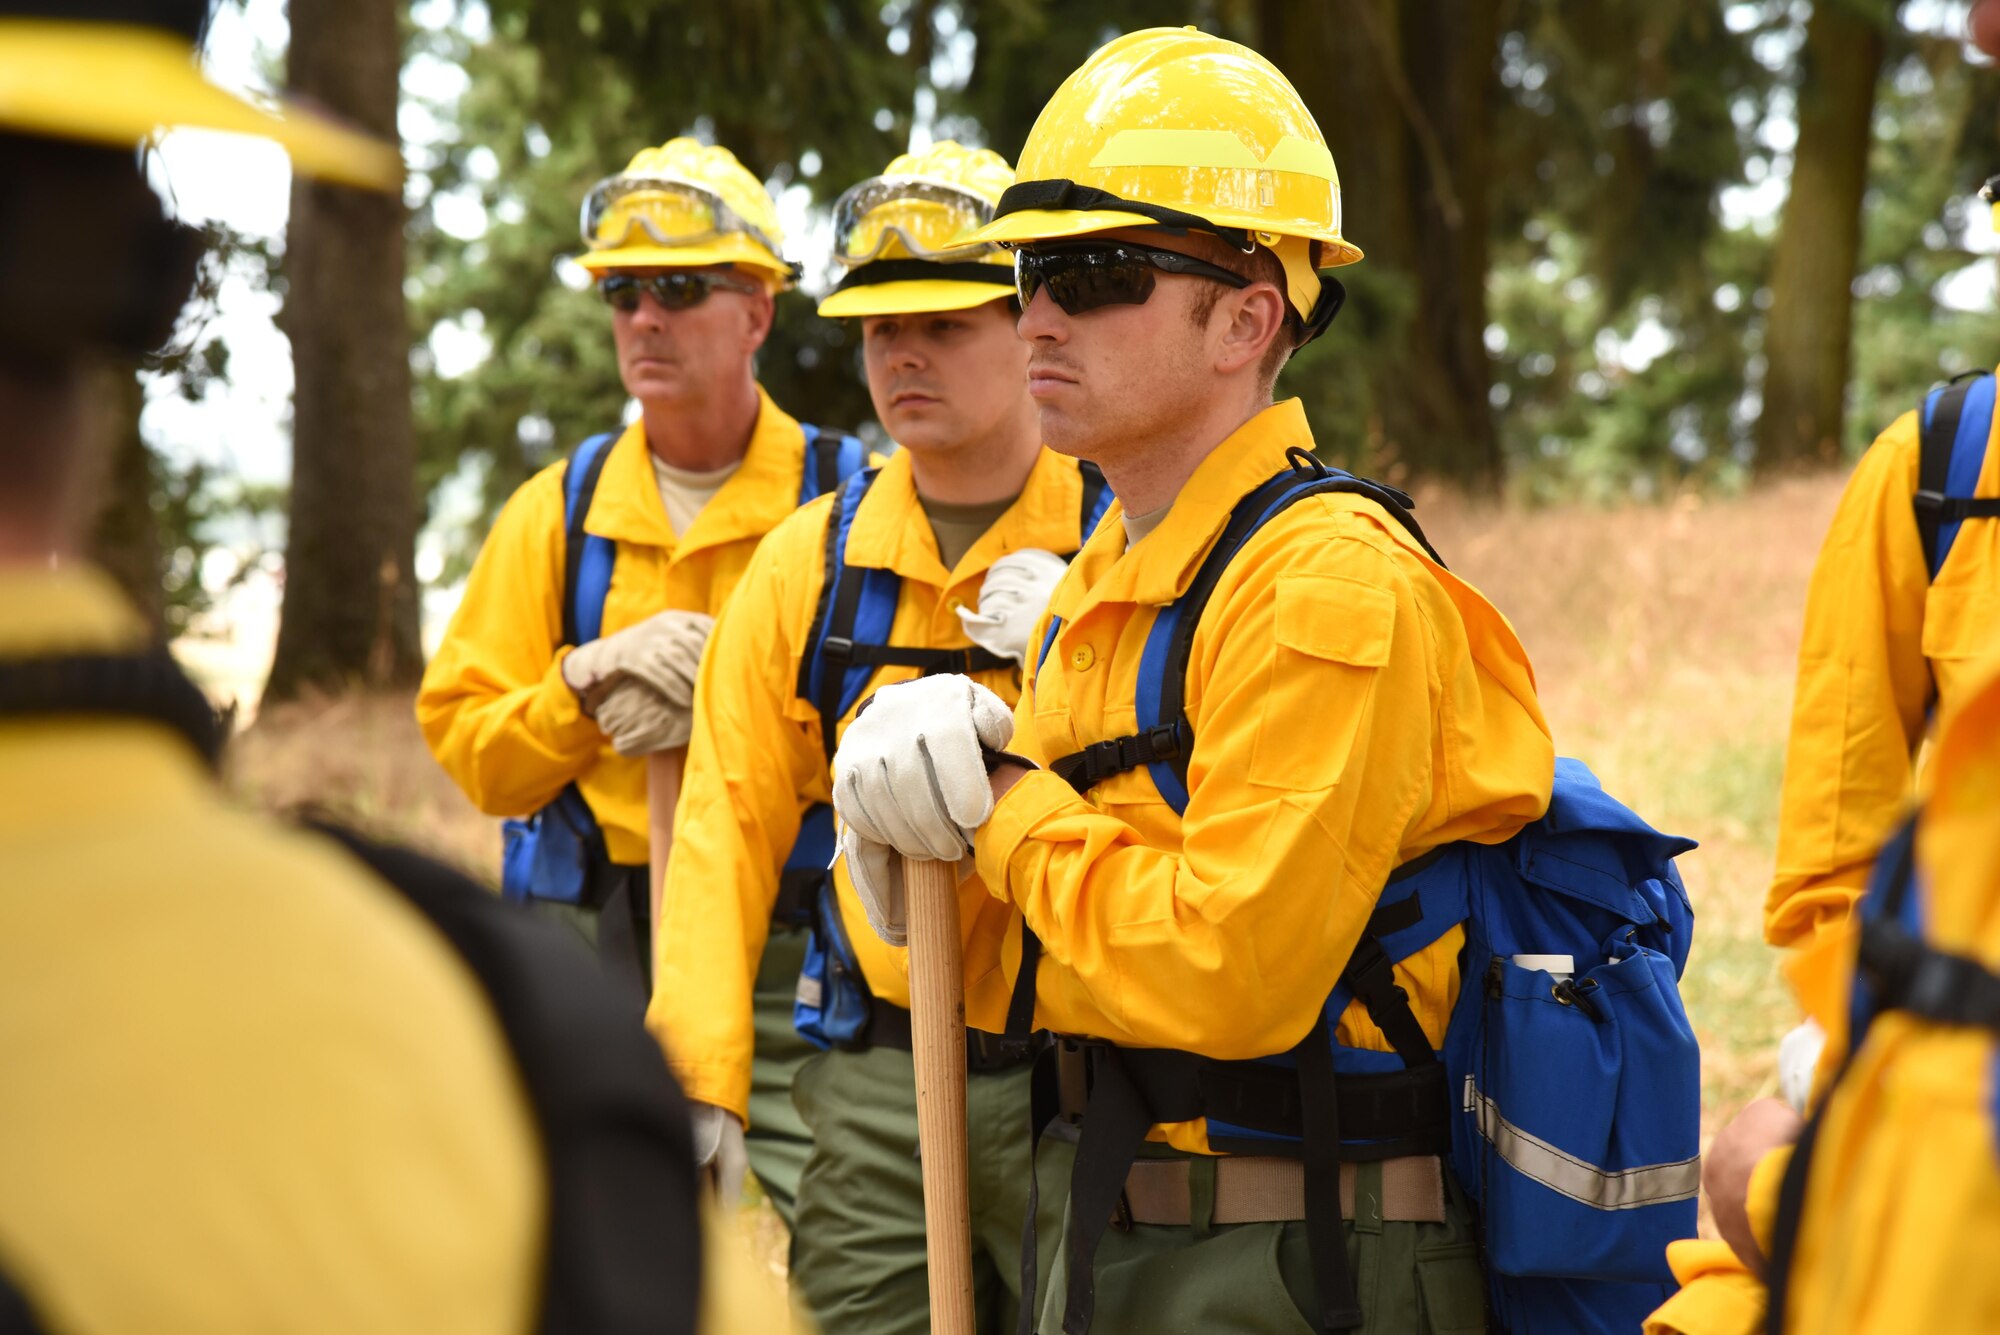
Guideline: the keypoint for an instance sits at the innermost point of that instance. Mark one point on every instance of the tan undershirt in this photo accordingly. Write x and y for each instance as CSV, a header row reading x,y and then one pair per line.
x,y
683,492
1138,526
957,527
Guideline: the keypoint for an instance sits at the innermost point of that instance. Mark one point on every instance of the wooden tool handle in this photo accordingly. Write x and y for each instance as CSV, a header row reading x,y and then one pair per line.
x,y
663,794
937,1034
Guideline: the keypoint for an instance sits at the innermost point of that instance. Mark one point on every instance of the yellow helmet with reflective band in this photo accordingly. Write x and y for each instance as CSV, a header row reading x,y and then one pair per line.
x,y
900,236
683,205
1172,127
129,71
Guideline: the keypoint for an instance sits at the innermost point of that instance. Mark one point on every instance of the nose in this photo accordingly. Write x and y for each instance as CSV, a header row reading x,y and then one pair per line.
x,y
651,316
905,353
1042,320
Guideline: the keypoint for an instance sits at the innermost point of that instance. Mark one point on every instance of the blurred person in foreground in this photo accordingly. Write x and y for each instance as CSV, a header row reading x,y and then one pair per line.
x,y
939,561
1889,1222
574,652
257,1078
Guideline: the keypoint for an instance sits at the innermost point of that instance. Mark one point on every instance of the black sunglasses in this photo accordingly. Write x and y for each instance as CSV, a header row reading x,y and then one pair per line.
x,y
1086,275
674,291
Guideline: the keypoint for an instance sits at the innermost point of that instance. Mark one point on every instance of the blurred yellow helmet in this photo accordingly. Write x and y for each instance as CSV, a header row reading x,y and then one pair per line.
x,y
118,73
683,205
1173,127
900,236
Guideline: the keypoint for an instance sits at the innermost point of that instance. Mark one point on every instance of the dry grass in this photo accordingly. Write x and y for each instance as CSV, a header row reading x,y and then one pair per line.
x,y
1664,639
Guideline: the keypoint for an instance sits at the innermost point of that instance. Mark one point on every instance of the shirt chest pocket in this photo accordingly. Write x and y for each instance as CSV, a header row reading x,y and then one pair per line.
x,y
1330,636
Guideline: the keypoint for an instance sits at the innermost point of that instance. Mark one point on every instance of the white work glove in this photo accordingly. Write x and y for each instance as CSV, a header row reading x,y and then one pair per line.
x,y
639,682
909,779
719,1156
1798,1057
1011,600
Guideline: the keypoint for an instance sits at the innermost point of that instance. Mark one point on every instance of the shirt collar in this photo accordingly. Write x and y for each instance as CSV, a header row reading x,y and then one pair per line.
x,y
68,609
891,532
763,490
1159,569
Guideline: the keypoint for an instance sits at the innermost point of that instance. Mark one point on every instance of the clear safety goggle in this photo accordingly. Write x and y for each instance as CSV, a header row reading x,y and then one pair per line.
x,y
924,216
668,210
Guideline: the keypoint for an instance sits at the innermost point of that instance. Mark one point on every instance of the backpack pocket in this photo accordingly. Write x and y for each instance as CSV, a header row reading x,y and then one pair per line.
x,y
1578,1120
548,856
831,1008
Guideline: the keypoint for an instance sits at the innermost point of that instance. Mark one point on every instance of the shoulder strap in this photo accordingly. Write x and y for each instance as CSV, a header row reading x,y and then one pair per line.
x,y
17,1315
1096,500
623,1234
849,638
831,458
1165,738
1957,419
148,685
587,559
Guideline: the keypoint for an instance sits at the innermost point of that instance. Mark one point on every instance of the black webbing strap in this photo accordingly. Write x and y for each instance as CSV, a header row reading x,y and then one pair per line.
x,y
573,536
889,1027
1085,769
1934,452
798,888
1326,1240
917,271
17,1317
826,459
1093,492
842,653
1117,1122
148,685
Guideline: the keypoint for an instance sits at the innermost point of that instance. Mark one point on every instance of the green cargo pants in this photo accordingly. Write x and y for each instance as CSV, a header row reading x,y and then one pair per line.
x,y
858,1254
777,1141
1256,1279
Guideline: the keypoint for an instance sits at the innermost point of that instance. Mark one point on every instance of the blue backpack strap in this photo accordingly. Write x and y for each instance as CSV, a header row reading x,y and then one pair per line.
x,y
1957,419
1165,737
587,558
831,458
856,605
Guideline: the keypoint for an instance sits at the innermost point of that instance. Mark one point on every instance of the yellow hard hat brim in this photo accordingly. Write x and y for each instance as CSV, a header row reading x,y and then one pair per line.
x,y
743,254
1030,225
117,85
923,296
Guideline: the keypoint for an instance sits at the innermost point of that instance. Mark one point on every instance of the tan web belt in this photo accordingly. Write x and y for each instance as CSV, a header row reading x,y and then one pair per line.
x,y
1261,1190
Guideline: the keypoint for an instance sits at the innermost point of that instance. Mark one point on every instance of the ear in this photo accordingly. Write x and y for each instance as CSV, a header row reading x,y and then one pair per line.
x,y
763,312
1250,320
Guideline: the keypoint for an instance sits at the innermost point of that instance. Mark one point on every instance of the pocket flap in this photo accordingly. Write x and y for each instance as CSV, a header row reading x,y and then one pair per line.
x,y
1335,618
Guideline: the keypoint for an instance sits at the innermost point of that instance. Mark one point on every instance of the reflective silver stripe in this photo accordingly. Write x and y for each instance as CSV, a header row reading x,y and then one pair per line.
x,y
1624,1189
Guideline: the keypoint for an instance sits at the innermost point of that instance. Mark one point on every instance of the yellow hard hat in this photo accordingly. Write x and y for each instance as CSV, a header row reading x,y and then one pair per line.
x,y
900,235
683,205
130,70
1173,127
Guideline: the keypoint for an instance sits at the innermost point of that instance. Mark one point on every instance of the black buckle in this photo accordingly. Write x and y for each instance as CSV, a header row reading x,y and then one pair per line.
x,y
1372,974
1929,502
838,650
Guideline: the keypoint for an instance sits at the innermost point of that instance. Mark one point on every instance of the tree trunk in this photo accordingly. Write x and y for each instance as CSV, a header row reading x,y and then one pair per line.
x,y
1819,240
350,603
125,535
1404,92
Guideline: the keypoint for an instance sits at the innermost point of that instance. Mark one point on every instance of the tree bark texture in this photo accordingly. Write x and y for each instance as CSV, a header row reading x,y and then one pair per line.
x,y
1404,93
125,532
1819,239
350,600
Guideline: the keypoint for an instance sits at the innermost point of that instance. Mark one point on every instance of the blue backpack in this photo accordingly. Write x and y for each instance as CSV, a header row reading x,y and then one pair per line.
x,y
847,643
549,855
1957,419
1567,1103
